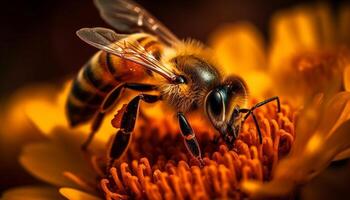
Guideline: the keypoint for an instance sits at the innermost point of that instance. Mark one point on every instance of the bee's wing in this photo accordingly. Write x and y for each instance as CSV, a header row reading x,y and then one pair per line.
x,y
129,17
122,46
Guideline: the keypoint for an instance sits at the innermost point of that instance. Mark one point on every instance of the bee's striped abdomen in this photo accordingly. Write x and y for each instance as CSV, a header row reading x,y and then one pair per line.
x,y
99,76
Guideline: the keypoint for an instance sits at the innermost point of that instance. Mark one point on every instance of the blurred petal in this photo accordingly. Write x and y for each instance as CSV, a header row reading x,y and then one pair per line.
x,y
344,24
337,142
259,83
32,193
16,129
284,38
347,78
14,117
333,183
239,48
48,161
337,111
307,123
47,112
240,51
325,25
343,155
73,194
301,29
273,188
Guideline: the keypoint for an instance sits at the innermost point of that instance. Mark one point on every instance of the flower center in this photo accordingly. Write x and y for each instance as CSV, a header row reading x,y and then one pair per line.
x,y
157,165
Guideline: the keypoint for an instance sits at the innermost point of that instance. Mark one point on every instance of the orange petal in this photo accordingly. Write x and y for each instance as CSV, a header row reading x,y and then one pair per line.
x,y
346,77
343,155
344,24
274,188
48,110
32,193
49,160
73,194
304,28
239,48
335,112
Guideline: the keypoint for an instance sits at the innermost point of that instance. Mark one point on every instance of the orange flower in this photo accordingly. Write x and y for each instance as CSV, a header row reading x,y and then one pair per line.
x,y
153,167
156,165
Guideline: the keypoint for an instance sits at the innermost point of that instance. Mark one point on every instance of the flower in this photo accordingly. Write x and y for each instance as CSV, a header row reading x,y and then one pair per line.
x,y
153,166
308,53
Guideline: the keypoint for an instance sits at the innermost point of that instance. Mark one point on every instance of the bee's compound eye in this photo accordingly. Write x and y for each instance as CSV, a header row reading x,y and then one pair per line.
x,y
215,106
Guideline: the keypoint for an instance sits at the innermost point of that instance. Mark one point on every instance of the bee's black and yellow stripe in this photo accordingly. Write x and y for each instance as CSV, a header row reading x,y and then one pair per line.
x,y
100,75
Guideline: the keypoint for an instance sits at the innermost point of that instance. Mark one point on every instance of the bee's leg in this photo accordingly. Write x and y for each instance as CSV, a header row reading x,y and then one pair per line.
x,y
113,96
121,140
109,103
189,136
96,124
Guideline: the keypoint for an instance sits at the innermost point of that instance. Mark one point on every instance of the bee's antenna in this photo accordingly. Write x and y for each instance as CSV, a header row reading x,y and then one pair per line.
x,y
250,112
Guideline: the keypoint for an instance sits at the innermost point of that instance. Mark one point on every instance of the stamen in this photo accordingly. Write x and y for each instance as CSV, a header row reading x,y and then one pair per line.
x,y
169,173
96,166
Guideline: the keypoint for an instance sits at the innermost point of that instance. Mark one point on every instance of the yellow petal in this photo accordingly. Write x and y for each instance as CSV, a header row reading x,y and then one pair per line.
x,y
307,123
14,117
259,84
32,193
344,24
336,112
346,77
284,38
337,142
302,29
48,111
325,25
73,194
16,129
343,155
319,151
274,188
49,160
239,48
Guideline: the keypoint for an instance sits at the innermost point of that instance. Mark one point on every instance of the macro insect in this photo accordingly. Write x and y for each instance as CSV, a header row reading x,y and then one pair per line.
x,y
186,78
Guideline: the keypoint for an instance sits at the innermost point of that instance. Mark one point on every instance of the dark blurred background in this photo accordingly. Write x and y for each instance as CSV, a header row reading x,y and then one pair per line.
x,y
39,42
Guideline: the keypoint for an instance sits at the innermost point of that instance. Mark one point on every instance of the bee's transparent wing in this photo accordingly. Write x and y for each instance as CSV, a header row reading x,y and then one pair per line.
x,y
129,17
122,46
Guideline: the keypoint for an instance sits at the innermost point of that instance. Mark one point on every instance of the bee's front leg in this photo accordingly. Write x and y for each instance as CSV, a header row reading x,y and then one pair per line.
x,y
189,136
109,103
121,140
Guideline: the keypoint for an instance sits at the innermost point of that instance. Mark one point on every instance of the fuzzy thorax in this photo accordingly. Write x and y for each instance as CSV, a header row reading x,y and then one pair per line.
x,y
194,62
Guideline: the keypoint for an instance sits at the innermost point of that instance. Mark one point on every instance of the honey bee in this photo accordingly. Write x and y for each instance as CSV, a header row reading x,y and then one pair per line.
x,y
190,79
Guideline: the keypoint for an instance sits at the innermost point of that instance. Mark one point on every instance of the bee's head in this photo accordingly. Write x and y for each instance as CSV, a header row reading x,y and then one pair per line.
x,y
222,106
